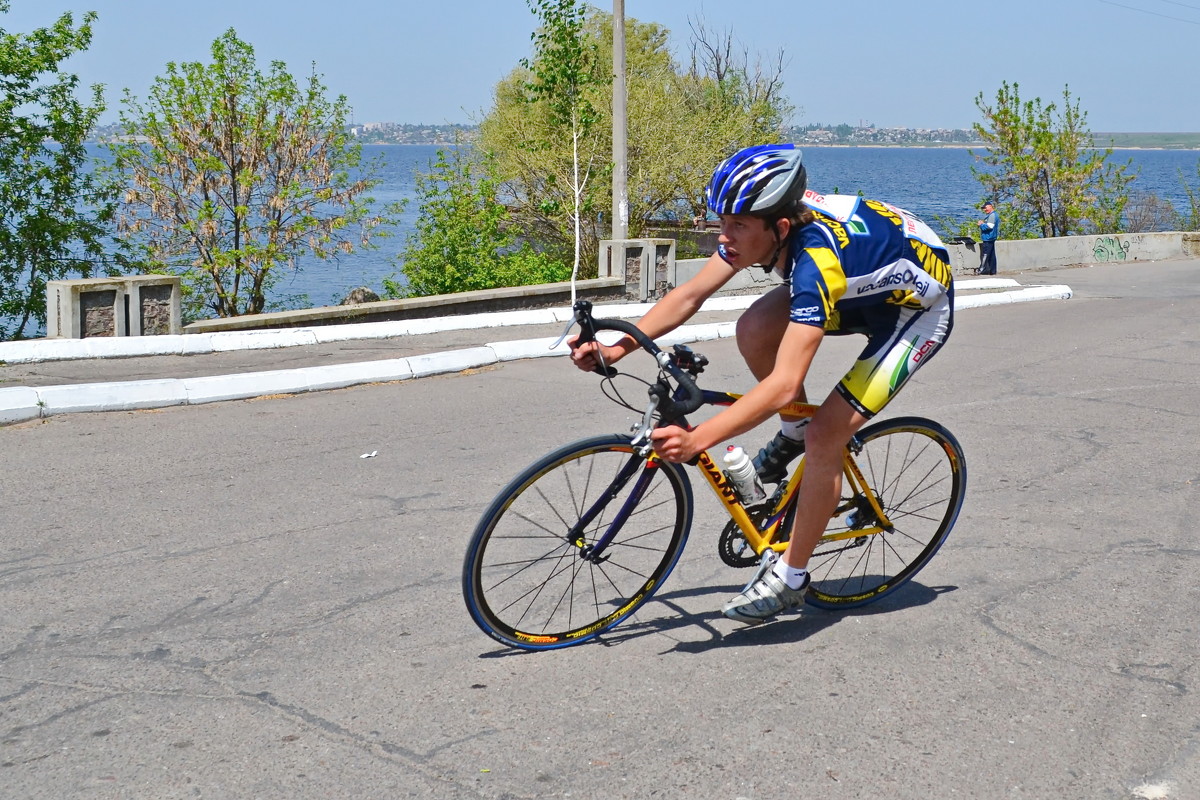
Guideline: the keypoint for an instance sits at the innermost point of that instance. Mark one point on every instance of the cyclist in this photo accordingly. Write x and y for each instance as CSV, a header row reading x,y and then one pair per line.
x,y
851,265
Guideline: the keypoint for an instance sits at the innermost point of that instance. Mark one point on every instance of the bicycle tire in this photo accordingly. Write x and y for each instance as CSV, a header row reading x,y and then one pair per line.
x,y
527,585
918,471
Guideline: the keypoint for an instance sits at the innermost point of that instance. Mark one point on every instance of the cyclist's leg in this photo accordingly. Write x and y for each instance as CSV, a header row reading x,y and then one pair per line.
x,y
825,443
900,341
759,333
760,330
783,584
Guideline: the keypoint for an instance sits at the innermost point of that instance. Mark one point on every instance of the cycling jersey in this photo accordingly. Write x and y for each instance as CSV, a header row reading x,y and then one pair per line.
x,y
867,267
860,253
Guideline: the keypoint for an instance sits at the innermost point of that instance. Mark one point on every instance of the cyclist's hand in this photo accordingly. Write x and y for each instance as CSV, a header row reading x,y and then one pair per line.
x,y
586,356
673,443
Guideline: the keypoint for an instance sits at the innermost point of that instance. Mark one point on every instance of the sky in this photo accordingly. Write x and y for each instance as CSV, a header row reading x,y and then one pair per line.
x,y
1129,63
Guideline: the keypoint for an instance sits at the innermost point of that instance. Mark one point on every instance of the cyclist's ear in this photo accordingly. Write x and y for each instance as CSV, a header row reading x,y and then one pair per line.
x,y
783,226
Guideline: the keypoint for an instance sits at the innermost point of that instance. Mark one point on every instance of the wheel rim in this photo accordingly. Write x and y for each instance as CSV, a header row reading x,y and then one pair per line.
x,y
918,474
536,589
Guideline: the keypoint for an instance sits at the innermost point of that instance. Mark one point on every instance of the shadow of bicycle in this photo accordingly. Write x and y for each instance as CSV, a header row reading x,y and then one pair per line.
x,y
807,622
785,629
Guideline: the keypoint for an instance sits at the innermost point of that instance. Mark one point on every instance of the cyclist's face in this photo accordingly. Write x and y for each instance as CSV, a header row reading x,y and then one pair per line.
x,y
747,240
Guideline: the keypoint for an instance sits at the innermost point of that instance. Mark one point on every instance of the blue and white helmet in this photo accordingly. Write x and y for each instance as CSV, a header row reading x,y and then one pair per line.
x,y
767,180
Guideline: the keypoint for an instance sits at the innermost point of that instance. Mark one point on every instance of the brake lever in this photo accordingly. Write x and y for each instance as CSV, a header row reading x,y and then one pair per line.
x,y
566,331
641,440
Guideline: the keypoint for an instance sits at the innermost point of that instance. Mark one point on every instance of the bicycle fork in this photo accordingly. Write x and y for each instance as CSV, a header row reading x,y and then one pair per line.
x,y
594,552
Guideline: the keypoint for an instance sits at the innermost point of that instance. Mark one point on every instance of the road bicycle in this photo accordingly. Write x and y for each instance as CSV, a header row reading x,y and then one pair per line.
x,y
588,533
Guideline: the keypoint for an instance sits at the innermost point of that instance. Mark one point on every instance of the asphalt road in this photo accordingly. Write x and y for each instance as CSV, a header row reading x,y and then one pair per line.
x,y
227,601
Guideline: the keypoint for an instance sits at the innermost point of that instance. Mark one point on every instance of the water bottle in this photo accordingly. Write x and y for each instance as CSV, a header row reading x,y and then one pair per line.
x,y
741,473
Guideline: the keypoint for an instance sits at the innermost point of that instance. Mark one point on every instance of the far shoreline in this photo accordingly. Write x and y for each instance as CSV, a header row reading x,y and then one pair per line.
x,y
863,146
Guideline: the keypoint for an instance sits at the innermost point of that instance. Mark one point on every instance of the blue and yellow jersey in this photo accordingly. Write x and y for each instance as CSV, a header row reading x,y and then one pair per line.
x,y
860,253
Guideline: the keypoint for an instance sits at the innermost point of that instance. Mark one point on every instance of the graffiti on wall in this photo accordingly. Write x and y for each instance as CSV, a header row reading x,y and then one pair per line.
x,y
1110,248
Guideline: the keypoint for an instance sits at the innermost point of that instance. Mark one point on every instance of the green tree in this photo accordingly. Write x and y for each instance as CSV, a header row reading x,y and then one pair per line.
x,y
1190,219
682,121
240,173
1042,169
464,239
55,211
565,79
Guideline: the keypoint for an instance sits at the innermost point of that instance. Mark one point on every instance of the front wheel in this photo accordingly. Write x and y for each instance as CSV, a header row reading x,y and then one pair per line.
x,y
575,544
917,471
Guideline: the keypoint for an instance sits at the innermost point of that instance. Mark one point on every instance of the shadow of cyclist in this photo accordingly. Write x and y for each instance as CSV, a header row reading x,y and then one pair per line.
x,y
808,621
785,629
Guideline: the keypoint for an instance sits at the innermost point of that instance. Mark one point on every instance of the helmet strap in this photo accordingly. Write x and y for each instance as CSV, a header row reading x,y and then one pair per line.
x,y
779,245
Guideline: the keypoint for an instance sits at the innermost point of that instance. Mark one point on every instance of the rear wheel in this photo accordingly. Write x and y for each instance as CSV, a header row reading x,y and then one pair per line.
x,y
575,544
917,470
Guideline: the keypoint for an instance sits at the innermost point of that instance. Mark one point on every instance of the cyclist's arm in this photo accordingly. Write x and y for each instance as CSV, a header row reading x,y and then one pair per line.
x,y
680,304
782,386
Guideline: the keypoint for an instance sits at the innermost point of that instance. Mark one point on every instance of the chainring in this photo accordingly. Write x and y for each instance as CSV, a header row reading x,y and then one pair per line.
x,y
734,549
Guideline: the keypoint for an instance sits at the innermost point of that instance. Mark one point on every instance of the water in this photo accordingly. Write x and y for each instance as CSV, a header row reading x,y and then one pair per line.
x,y
937,183
931,182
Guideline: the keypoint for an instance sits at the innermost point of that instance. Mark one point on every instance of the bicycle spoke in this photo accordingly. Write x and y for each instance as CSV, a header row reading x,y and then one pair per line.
x,y
531,595
919,487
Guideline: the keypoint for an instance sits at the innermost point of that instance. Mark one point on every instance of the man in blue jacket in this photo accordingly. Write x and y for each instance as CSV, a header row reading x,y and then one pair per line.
x,y
989,229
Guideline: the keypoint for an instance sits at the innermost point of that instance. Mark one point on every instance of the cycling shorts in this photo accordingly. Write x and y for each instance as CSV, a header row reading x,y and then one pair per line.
x,y
900,340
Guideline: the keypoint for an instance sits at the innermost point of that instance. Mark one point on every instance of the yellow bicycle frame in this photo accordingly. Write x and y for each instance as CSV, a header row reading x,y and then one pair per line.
x,y
769,535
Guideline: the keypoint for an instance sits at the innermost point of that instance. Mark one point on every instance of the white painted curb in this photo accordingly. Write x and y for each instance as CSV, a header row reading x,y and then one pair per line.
x,y
451,361
21,403
1020,296
18,404
116,396
339,376
528,348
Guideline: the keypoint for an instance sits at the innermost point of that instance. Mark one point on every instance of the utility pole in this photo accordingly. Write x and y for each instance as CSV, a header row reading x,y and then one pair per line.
x,y
620,177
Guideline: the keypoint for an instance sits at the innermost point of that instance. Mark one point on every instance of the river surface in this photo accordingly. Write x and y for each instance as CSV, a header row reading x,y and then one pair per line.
x,y
932,182
935,183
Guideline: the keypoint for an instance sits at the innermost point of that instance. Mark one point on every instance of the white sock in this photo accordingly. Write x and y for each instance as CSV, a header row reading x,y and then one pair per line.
x,y
794,577
794,428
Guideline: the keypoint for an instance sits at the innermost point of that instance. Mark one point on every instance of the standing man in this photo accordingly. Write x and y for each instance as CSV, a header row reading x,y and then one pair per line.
x,y
989,229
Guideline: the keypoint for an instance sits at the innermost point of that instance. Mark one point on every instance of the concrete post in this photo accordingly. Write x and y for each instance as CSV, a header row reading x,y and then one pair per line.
x,y
647,265
132,305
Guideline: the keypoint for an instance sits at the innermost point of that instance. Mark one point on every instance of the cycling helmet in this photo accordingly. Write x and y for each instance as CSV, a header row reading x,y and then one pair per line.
x,y
767,180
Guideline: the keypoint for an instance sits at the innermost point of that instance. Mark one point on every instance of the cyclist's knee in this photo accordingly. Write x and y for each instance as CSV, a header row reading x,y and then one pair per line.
x,y
831,427
822,438
761,329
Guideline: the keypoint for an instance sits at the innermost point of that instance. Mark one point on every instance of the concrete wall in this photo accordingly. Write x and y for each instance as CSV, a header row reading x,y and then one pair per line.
x,y
1025,254
550,295
633,284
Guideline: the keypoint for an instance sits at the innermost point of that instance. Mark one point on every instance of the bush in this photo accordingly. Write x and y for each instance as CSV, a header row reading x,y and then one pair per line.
x,y
464,239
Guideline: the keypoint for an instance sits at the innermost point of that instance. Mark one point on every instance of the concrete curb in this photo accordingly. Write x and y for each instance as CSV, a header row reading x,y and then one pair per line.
x,y
36,350
19,404
1020,296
